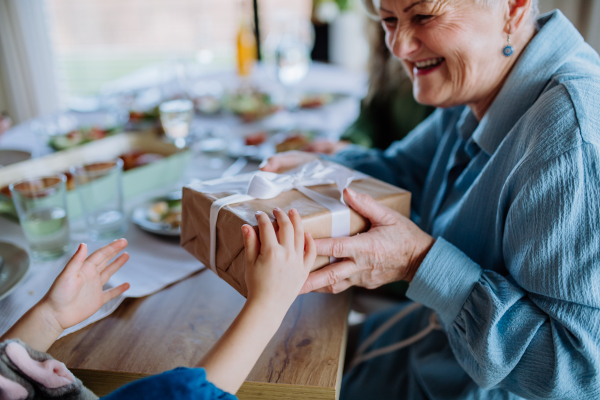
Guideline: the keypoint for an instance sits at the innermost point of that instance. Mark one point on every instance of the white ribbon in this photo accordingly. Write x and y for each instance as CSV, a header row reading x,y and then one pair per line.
x,y
267,185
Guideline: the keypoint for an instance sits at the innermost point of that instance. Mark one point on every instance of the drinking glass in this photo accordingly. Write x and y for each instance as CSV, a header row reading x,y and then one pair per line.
x,y
176,118
100,190
292,60
42,207
213,143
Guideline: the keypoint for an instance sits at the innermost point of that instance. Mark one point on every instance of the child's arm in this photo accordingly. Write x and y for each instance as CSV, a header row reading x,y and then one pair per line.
x,y
75,295
276,269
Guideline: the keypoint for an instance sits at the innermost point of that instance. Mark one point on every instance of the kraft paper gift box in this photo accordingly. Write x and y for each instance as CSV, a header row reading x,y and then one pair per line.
x,y
313,189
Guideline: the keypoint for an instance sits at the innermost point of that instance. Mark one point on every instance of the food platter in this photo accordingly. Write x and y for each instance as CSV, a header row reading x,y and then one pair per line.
x,y
161,215
261,145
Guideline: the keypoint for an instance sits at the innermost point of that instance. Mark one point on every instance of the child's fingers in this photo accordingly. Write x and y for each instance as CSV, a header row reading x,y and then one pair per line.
x,y
285,234
298,230
310,251
110,294
251,244
266,232
77,260
100,257
113,267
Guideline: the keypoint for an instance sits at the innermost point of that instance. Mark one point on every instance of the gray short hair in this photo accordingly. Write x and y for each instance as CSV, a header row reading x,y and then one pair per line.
x,y
372,7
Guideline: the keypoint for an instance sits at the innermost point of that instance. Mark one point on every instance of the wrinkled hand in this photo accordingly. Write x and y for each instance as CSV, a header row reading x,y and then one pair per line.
x,y
391,250
278,265
77,292
283,161
325,146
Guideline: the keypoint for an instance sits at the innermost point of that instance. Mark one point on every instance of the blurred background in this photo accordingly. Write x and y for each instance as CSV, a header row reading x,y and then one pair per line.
x,y
57,54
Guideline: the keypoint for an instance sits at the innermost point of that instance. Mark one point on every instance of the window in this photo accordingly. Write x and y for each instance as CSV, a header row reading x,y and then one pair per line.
x,y
98,41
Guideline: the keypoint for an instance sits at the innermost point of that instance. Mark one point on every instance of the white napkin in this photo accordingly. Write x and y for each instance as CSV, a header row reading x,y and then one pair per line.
x,y
154,263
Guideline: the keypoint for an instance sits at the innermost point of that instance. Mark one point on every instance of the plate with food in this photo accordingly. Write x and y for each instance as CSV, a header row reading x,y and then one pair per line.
x,y
317,100
255,146
161,215
260,145
80,136
251,104
65,130
293,140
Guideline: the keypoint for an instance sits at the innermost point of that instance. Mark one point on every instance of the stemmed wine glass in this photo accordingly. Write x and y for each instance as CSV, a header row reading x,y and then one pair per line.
x,y
289,46
292,58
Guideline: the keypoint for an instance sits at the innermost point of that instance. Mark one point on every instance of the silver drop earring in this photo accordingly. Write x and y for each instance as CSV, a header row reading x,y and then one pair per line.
x,y
508,50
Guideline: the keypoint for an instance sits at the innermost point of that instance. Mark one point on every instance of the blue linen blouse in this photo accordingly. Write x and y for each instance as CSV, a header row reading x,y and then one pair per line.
x,y
514,274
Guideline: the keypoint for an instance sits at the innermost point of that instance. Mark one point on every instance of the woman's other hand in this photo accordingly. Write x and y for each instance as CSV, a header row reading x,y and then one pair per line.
x,y
278,264
283,161
325,146
77,292
391,250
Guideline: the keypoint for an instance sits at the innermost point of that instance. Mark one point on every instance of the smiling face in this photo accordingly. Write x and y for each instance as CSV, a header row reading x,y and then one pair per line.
x,y
451,49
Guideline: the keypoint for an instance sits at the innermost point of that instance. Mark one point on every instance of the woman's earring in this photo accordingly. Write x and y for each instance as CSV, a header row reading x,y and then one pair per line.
x,y
508,50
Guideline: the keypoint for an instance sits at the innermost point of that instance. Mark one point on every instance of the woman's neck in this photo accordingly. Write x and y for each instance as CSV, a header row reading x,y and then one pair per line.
x,y
481,106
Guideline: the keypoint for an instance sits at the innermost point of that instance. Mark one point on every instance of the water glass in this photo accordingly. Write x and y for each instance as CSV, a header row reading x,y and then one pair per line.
x,y
100,189
42,207
292,59
213,143
176,118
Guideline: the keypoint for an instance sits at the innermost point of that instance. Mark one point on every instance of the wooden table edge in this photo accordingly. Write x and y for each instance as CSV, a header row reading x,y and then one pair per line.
x,y
103,383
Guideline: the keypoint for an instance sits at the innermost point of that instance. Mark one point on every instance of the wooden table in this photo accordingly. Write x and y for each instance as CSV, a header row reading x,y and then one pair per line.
x,y
178,325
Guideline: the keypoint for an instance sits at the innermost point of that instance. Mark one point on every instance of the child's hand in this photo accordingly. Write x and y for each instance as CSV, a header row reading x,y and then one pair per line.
x,y
77,294
74,296
278,265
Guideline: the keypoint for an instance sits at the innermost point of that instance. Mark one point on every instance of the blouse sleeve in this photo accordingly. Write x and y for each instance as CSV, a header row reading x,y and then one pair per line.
x,y
535,331
180,383
405,163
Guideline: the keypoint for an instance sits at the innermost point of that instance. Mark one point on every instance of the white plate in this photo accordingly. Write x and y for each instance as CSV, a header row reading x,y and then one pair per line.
x,y
238,148
16,265
140,217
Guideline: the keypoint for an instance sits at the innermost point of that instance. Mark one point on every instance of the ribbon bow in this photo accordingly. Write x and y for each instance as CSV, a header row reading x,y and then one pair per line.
x,y
267,185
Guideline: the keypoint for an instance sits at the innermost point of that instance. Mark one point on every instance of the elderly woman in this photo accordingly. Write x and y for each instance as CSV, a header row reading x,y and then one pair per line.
x,y
504,243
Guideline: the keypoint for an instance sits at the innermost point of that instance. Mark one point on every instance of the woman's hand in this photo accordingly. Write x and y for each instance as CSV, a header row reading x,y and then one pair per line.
x,y
278,265
283,161
75,295
325,146
77,292
391,250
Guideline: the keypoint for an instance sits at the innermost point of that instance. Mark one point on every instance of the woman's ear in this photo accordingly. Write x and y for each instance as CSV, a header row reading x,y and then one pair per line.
x,y
518,13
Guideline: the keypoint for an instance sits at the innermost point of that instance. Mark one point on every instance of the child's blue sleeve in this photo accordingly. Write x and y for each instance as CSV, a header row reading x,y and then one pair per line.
x,y
180,384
